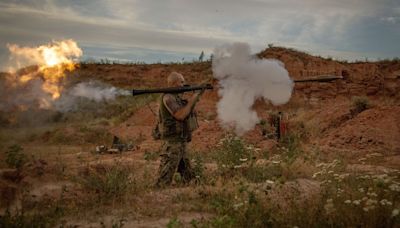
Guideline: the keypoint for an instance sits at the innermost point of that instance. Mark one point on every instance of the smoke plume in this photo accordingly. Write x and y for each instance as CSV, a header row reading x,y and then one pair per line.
x,y
96,91
43,85
243,78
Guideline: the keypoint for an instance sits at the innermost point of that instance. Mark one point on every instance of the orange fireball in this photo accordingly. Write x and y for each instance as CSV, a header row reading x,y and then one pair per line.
x,y
53,61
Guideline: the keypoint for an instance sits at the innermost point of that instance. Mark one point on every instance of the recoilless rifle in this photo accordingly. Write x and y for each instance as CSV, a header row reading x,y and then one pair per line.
x,y
187,88
180,89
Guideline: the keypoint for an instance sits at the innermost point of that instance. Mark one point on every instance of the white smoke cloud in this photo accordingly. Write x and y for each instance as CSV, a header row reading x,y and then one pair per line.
x,y
244,78
95,91
90,90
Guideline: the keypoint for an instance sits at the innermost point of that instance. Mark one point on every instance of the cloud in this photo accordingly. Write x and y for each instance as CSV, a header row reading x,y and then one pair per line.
x,y
189,26
393,20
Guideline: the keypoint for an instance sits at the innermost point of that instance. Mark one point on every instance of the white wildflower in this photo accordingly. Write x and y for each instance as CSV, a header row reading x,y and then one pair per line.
x,y
329,207
385,202
347,201
356,202
250,147
316,174
395,212
372,194
238,205
361,190
394,187
243,159
269,182
344,175
371,202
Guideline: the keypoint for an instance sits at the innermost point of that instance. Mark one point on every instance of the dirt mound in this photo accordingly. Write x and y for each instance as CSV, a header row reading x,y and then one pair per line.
x,y
374,130
360,78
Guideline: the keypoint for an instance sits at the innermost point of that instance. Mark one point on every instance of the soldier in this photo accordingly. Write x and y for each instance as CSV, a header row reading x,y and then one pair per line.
x,y
177,120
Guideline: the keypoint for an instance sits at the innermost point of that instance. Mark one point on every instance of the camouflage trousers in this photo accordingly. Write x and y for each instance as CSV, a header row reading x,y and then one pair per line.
x,y
174,158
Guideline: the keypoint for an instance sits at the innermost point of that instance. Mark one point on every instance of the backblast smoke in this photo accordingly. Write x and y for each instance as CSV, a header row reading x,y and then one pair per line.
x,y
243,79
43,85
90,90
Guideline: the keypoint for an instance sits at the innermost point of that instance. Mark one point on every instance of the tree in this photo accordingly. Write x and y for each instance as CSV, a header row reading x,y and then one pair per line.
x,y
201,56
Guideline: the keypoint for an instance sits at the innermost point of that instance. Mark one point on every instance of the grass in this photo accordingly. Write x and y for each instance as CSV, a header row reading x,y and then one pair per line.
x,y
87,125
21,219
109,182
15,157
231,154
238,185
256,192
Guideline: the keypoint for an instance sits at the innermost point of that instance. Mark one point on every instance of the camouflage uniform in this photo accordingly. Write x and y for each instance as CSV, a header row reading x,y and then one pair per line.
x,y
175,134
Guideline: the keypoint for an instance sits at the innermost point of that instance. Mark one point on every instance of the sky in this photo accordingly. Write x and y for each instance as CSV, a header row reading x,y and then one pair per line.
x,y
178,30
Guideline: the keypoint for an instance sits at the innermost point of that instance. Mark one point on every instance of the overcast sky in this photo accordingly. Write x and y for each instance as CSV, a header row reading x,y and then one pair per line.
x,y
169,30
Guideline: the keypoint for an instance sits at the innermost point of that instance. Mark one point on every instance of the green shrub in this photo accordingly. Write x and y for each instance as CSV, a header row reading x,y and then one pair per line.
x,y
359,104
260,173
231,153
198,166
174,223
238,209
150,156
290,146
46,217
109,182
15,158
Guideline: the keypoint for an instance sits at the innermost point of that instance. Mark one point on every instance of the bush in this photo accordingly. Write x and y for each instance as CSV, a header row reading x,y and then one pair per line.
x,y
198,166
174,223
15,158
109,182
359,104
238,209
290,146
48,218
231,153
260,173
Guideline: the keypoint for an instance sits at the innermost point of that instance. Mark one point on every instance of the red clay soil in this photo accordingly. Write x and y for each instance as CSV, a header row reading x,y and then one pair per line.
x,y
373,130
376,129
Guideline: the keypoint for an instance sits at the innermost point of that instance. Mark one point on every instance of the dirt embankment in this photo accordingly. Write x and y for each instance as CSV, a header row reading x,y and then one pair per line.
x,y
374,128
379,80
360,78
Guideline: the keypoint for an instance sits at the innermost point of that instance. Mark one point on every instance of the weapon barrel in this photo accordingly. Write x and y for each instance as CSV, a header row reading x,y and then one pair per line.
x,y
181,89
321,78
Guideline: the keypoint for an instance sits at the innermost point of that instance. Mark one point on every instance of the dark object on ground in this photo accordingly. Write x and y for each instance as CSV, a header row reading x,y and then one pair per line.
x,y
117,147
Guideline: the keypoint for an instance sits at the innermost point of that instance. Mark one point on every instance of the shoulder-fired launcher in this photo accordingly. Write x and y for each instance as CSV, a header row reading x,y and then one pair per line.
x,y
319,78
181,89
